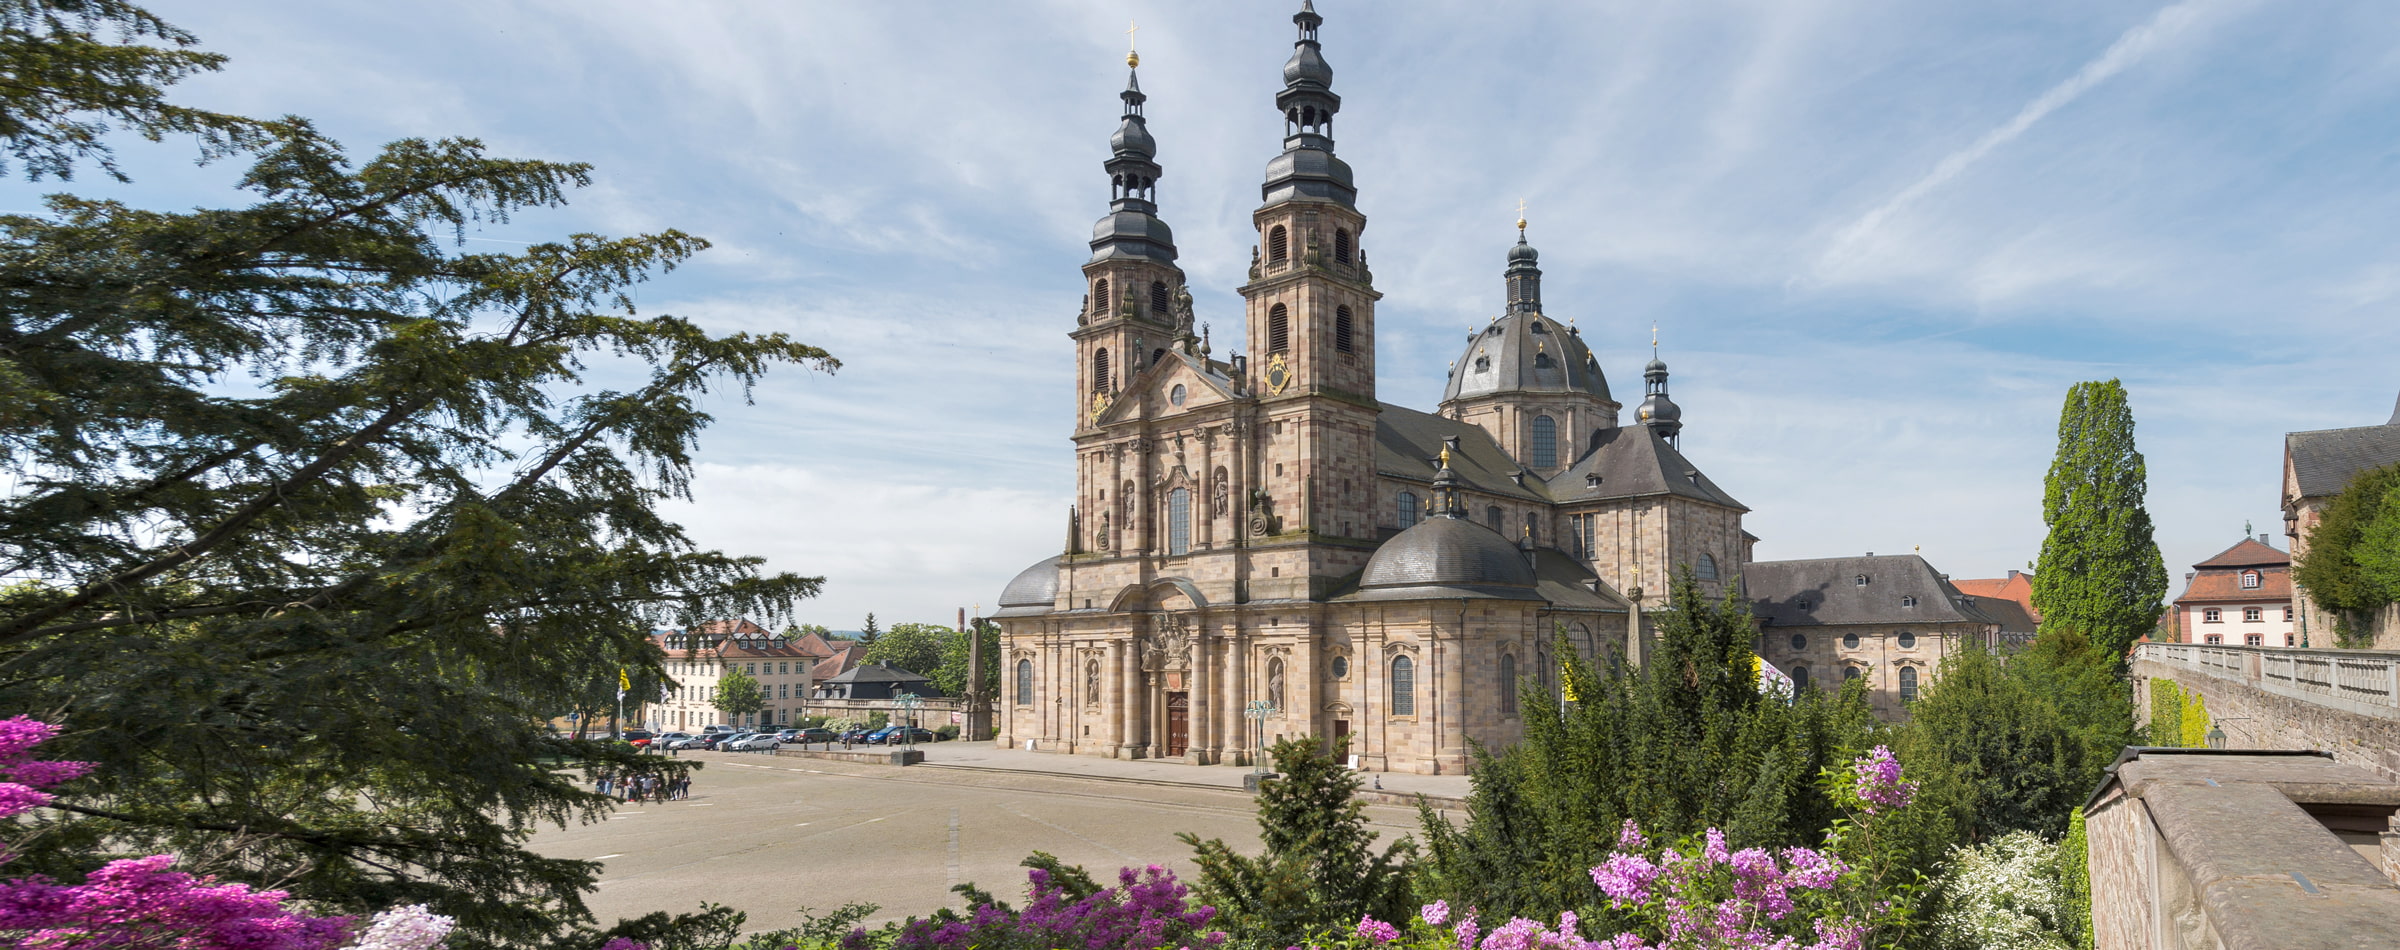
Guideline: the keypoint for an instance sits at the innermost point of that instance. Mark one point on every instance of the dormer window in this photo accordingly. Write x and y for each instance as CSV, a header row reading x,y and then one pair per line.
x,y
1860,580
1591,480
1543,361
1541,328
2249,580
1483,364
1908,601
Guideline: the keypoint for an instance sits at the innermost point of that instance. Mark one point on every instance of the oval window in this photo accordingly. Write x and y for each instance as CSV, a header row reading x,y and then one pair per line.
x,y
1908,640
1799,641
1341,667
1175,395
1850,640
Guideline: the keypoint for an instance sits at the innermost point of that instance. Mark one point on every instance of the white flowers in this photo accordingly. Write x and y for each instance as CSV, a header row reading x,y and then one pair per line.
x,y
405,928
2004,895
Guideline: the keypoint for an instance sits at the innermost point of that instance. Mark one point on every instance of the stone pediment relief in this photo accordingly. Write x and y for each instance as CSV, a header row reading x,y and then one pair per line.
x,y
1168,645
1338,708
1399,647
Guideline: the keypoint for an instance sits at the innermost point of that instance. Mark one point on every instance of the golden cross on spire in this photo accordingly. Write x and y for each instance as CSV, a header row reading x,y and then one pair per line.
x,y
1520,217
1131,58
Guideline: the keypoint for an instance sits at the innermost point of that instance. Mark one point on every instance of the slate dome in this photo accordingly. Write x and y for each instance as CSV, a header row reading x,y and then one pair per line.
x,y
1447,552
1035,586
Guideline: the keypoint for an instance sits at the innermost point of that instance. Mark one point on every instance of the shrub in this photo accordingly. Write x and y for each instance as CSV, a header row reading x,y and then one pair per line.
x,y
2003,895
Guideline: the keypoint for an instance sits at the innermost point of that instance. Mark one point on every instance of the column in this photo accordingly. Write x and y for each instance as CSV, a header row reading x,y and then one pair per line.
x,y
1154,725
1201,739
1447,740
1121,696
1237,693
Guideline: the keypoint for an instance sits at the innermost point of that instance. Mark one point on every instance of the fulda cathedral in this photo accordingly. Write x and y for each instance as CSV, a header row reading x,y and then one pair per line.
x,y
1261,548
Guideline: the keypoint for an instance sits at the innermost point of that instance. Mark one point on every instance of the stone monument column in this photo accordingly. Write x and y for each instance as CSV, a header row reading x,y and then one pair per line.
x,y
1202,739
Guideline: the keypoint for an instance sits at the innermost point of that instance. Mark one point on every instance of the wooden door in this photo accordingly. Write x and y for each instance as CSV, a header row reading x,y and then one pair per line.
x,y
1179,722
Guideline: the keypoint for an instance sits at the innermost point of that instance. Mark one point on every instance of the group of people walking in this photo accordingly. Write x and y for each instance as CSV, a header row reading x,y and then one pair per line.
x,y
642,789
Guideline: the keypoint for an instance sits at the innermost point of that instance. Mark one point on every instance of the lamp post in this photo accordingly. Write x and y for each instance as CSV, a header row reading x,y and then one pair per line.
x,y
1260,711
908,703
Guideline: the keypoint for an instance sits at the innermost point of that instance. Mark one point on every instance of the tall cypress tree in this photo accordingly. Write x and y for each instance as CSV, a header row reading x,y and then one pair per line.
x,y
2100,573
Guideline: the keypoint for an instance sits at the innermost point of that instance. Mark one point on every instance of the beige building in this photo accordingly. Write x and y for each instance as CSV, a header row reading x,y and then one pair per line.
x,y
1261,547
697,658
2317,466
1889,620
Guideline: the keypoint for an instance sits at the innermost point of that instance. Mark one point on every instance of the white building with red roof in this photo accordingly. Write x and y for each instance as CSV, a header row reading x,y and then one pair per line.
x,y
2241,597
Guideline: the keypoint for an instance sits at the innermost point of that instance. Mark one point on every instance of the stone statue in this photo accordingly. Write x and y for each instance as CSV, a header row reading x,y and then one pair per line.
x,y
1091,681
1183,309
1254,262
1083,314
1224,488
1275,683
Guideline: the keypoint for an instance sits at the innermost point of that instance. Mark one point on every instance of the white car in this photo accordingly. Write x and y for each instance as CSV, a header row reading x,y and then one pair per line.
x,y
752,742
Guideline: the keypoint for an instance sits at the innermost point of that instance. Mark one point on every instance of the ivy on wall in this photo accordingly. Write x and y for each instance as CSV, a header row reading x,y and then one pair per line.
x,y
2352,567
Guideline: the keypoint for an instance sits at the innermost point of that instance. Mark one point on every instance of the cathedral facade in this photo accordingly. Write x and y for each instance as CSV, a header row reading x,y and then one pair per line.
x,y
1260,548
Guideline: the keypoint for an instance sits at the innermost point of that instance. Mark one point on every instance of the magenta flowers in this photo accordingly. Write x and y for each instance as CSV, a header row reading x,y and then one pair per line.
x,y
1147,909
1879,785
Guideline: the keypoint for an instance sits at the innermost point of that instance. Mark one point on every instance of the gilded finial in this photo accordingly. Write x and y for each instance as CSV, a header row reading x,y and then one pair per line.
x,y
1131,58
1520,217
1445,456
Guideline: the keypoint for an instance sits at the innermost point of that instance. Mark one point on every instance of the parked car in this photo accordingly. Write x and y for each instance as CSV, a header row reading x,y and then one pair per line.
x,y
814,734
785,735
884,735
638,737
712,740
752,742
672,740
896,735
857,735
714,730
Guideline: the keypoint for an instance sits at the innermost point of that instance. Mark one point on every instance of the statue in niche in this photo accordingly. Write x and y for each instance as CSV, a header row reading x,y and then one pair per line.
x,y
1091,681
1275,683
1224,488
1100,542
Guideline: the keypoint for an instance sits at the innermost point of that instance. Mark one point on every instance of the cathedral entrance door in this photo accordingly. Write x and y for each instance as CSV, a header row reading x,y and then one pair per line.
x,y
1341,731
1179,722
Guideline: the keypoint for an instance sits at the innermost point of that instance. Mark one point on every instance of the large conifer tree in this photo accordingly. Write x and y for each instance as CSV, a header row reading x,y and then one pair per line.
x,y
314,520
2100,573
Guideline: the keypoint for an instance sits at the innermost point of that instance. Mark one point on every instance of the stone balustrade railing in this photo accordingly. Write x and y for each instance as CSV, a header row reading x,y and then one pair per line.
x,y
2359,681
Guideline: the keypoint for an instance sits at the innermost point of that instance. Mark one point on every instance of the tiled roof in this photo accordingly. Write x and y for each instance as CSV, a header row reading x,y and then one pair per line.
x,y
876,673
2249,553
1635,462
2324,461
846,654
2016,587
2010,615
1408,441
727,638
2225,586
1826,591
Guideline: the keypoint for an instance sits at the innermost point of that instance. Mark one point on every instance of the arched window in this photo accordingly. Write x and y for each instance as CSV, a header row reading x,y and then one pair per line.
x,y
1024,682
1404,687
1100,370
1850,673
1491,516
1908,684
1157,354
1100,297
1278,246
1341,246
1179,521
1799,680
1279,328
1706,568
1545,442
1342,330
1508,685
1542,360
1406,509
1543,669
1533,527
1158,299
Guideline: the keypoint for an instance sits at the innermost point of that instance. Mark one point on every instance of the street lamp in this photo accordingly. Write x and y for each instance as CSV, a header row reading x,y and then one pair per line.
x,y
2216,736
908,703
1260,711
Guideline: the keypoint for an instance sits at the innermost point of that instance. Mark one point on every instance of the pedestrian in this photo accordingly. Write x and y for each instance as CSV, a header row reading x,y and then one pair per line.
x,y
603,785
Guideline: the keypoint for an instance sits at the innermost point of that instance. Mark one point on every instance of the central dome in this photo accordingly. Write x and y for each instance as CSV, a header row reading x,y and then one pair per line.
x,y
1447,552
1525,352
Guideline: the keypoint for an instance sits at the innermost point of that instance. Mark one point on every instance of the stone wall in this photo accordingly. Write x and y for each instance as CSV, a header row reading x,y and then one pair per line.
x,y
2255,718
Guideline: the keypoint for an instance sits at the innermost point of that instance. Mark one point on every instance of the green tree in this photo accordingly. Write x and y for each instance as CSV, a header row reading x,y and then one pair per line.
x,y
1990,754
1684,743
738,693
2166,713
1319,870
867,632
325,518
951,676
796,631
915,647
2352,566
2100,572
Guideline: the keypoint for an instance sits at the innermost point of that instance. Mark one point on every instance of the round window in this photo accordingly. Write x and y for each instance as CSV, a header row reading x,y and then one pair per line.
x,y
1799,641
1175,395
1850,640
1908,640
1341,667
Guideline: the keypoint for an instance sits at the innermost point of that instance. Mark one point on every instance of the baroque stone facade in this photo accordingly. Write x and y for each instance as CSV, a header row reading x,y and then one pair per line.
x,y
1261,548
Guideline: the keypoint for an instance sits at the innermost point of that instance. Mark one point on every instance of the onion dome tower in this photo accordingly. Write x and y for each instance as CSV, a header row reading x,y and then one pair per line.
x,y
1528,379
1658,411
1128,317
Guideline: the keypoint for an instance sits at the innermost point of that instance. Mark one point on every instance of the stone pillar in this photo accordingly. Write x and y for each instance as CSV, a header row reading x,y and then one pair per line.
x,y
1237,694
1448,737
1125,672
1198,743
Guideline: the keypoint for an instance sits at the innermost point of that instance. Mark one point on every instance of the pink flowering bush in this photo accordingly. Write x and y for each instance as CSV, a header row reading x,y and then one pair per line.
x,y
1147,909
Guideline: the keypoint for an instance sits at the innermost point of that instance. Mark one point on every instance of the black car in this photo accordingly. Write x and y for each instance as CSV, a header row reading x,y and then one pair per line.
x,y
814,734
857,735
710,740
898,734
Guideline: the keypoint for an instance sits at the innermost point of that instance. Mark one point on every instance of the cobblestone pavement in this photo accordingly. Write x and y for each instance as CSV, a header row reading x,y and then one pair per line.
x,y
772,834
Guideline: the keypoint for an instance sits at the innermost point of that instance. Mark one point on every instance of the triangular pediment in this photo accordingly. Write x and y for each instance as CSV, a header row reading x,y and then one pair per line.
x,y
1153,392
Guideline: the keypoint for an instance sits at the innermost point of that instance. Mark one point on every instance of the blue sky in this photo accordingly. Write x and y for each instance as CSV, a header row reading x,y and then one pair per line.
x,y
1880,240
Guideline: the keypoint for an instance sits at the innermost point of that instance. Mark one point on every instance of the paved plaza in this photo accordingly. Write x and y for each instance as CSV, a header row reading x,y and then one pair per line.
x,y
772,834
